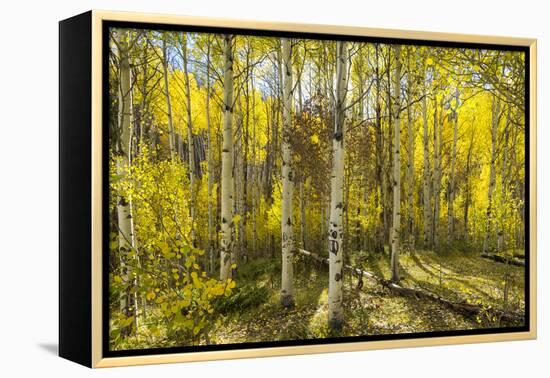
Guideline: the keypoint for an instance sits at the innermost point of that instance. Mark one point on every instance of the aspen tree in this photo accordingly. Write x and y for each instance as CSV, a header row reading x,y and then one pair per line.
x,y
287,231
492,173
226,228
126,235
171,134
335,239
426,172
190,141
452,179
210,164
396,224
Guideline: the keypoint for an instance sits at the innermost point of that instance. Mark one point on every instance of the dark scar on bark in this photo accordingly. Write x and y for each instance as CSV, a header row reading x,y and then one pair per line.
x,y
334,246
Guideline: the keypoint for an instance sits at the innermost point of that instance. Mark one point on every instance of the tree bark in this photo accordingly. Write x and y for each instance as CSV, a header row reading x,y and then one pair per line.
x,y
468,194
171,134
126,235
426,173
336,253
211,250
227,162
396,224
190,140
452,179
379,195
287,231
254,183
492,174
438,126
410,155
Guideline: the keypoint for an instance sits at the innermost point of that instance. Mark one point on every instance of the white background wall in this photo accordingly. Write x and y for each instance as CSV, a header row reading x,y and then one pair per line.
x,y
28,185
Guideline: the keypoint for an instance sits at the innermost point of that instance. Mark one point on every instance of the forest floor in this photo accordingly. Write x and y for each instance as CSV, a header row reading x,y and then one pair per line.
x,y
254,314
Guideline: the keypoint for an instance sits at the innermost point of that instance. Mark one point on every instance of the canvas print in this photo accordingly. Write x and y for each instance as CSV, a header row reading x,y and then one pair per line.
x,y
272,189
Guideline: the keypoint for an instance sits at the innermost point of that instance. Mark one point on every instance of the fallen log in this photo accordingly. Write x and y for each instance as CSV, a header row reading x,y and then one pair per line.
x,y
464,308
503,259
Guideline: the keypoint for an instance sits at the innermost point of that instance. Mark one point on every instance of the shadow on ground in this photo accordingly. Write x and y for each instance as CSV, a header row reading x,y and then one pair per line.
x,y
51,348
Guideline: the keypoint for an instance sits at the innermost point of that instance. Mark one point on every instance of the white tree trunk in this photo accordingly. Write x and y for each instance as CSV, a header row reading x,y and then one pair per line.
x,y
190,141
171,134
427,178
226,232
501,245
396,224
492,173
450,202
210,164
126,237
287,284
410,156
438,126
335,237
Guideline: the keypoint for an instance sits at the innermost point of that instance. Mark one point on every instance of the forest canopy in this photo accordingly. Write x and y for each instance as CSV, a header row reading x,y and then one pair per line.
x,y
270,188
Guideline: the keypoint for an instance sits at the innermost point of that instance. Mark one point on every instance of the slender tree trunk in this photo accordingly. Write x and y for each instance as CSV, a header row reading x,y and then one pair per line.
x,y
211,250
396,225
227,162
427,176
287,280
254,183
388,177
468,194
336,253
410,156
437,173
452,179
171,134
492,173
380,197
190,139
126,236
237,182
504,184
144,108
245,165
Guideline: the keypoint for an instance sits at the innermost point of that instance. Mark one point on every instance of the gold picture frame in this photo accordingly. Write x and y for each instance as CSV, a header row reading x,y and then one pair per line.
x,y
92,326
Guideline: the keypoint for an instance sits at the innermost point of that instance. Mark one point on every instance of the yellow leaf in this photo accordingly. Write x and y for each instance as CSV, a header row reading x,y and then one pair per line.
x,y
196,280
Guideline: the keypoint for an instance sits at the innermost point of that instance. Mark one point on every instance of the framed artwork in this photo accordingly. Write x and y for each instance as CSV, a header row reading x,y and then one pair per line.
x,y
234,189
